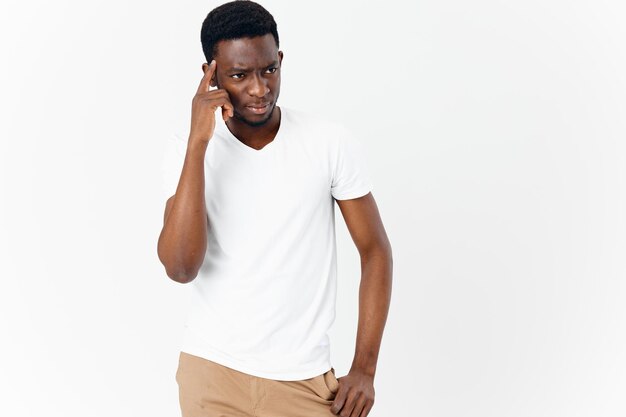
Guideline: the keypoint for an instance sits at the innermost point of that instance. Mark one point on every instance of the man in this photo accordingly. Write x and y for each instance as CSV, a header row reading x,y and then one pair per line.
x,y
250,223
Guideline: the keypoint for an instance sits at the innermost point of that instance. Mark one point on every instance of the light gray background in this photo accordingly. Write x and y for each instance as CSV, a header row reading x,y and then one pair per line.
x,y
494,132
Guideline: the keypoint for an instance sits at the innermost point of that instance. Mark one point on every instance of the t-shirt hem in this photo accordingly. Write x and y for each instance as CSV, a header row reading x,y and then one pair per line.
x,y
354,194
221,359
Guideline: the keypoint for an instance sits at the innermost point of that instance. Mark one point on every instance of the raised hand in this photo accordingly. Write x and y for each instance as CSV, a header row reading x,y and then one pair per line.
x,y
203,107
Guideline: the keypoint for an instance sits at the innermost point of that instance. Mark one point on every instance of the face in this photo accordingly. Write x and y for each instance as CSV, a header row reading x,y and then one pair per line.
x,y
249,70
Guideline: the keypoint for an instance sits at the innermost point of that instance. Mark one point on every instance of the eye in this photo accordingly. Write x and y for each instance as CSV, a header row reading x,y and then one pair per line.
x,y
272,70
235,76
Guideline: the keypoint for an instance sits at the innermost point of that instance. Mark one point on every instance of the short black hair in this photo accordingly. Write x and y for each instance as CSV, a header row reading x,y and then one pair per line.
x,y
234,20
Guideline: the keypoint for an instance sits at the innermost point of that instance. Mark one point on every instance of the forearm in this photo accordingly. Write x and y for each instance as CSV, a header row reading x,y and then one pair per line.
x,y
374,300
183,240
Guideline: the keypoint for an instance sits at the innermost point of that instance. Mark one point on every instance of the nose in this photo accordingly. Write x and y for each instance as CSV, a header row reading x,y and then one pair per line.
x,y
258,86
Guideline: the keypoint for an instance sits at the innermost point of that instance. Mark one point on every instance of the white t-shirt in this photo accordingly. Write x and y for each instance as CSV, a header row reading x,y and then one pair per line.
x,y
264,299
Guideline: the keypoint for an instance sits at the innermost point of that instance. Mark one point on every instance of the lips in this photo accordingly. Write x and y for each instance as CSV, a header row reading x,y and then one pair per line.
x,y
258,108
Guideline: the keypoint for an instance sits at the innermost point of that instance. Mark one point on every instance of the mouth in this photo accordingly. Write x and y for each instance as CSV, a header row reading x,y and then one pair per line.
x,y
259,109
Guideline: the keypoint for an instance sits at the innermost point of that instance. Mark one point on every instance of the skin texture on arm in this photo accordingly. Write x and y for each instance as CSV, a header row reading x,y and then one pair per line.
x,y
183,241
355,396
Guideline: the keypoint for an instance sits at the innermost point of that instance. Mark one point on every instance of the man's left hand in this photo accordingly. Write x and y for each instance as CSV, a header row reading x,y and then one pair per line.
x,y
355,396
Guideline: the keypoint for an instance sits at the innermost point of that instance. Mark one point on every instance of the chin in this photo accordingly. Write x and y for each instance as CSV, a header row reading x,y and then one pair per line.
x,y
258,122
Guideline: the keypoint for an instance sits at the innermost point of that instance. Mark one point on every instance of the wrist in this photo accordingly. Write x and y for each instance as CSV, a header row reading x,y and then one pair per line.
x,y
365,369
197,145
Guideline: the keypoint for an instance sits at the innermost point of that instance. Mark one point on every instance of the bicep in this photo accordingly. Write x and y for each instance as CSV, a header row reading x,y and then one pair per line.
x,y
364,223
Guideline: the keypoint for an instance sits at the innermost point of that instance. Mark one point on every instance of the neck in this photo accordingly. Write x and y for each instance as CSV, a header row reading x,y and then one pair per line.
x,y
255,134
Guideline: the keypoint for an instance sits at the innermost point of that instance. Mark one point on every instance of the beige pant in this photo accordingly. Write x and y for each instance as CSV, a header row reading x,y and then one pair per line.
x,y
209,389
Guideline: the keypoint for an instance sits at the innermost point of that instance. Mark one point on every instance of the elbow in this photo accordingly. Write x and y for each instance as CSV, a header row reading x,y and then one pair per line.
x,y
178,271
180,275
380,250
378,256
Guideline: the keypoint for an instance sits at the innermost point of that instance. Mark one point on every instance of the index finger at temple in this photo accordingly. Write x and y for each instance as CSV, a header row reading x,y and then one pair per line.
x,y
205,83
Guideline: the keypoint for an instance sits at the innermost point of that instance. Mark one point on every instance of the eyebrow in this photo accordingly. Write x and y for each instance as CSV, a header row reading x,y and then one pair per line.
x,y
242,69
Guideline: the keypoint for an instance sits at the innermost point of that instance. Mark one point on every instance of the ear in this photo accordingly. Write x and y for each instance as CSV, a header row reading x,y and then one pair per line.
x,y
280,57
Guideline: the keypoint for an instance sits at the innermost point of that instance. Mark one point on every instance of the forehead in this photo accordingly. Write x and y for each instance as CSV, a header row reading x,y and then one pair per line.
x,y
247,52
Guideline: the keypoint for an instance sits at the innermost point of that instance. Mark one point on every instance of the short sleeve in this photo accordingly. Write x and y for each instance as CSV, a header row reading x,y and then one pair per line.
x,y
172,163
350,177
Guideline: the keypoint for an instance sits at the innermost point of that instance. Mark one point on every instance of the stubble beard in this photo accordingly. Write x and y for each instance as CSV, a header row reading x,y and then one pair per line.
x,y
251,123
